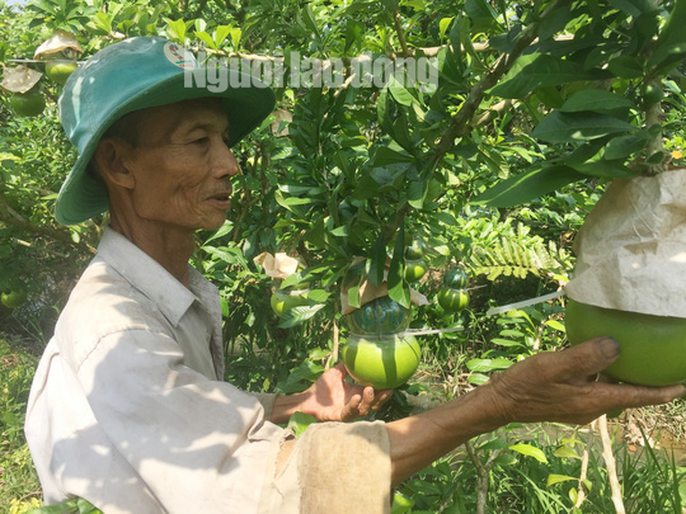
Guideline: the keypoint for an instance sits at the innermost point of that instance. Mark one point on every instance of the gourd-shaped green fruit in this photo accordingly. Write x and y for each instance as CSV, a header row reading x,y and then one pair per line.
x,y
384,362
653,348
380,316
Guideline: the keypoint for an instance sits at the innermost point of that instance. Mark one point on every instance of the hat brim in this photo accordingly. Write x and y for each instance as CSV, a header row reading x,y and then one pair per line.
x,y
82,196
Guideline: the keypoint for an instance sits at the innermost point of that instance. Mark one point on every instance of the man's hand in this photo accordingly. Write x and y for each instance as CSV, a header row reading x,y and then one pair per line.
x,y
330,398
565,386
549,386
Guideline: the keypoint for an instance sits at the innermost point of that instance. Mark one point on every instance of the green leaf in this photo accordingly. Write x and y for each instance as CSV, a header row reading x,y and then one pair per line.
x,y
296,315
85,507
308,19
236,34
481,13
604,168
443,25
486,365
562,127
534,71
354,296
318,295
556,479
505,342
524,188
596,100
672,38
416,193
399,93
401,504
299,422
477,379
226,228
377,260
398,289
626,66
220,34
385,156
207,39
556,325
623,146
177,29
530,451
565,451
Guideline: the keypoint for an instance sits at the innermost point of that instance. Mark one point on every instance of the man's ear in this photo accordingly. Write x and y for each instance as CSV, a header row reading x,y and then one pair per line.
x,y
111,161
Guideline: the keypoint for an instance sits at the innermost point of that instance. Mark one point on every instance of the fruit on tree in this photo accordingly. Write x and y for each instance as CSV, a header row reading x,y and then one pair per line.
x,y
13,298
59,71
653,347
27,104
283,300
453,300
384,362
456,278
415,251
414,270
380,316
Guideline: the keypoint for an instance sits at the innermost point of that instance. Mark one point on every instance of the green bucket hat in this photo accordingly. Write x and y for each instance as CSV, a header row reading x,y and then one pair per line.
x,y
131,75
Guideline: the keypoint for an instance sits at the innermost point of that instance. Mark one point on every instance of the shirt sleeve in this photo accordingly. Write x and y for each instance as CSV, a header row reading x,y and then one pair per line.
x,y
195,442
267,400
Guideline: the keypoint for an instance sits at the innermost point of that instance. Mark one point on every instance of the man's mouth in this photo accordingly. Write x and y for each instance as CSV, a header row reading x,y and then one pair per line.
x,y
222,199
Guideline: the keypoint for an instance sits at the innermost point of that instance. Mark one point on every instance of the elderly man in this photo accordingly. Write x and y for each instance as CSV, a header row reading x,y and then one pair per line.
x,y
128,408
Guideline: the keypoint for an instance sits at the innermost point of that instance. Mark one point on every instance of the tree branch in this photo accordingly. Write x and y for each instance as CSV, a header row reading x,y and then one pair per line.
x,y
13,218
460,123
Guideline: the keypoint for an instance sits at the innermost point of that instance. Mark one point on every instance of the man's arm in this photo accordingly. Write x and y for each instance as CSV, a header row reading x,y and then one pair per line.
x,y
559,386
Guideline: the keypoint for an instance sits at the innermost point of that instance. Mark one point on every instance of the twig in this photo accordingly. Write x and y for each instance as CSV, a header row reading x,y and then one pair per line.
x,y
611,466
481,479
581,496
11,217
336,341
401,34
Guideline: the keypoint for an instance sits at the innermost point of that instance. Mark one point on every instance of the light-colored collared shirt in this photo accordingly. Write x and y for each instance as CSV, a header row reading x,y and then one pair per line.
x,y
128,408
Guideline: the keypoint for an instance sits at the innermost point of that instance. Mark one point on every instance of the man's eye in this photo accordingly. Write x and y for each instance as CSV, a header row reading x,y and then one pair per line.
x,y
201,141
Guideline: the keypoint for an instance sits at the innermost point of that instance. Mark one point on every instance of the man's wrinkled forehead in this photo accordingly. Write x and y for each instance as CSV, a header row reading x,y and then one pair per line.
x,y
168,120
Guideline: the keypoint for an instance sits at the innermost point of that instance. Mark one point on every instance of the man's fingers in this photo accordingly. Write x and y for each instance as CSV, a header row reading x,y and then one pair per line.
x,y
638,396
589,358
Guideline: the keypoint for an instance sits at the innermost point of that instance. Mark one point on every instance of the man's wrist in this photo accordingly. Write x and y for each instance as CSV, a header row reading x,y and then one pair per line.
x,y
287,405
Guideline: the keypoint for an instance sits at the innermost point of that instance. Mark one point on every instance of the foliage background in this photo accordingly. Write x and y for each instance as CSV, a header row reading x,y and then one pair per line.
x,y
538,105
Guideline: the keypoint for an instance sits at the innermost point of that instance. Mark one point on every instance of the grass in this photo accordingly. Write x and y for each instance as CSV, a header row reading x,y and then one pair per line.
x,y
19,486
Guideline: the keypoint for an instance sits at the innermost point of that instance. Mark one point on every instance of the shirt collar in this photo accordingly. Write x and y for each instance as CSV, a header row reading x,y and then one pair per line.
x,y
151,279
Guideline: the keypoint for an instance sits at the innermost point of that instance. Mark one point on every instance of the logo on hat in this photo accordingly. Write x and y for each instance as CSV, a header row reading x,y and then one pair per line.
x,y
179,56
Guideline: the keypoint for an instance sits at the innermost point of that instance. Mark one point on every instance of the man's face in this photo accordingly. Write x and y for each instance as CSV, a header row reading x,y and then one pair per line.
x,y
182,165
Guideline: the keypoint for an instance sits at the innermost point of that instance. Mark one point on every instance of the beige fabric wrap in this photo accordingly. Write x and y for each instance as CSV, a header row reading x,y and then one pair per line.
x,y
632,248
335,468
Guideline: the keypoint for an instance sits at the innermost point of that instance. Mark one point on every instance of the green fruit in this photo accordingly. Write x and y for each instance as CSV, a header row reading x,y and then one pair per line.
x,y
27,104
13,298
653,347
414,270
380,316
283,300
415,251
456,278
453,300
59,71
382,362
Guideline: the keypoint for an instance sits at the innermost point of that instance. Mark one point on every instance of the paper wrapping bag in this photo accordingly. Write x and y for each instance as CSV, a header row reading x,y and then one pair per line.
x,y
632,248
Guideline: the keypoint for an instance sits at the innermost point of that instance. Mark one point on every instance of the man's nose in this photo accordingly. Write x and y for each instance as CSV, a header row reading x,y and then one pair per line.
x,y
224,163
